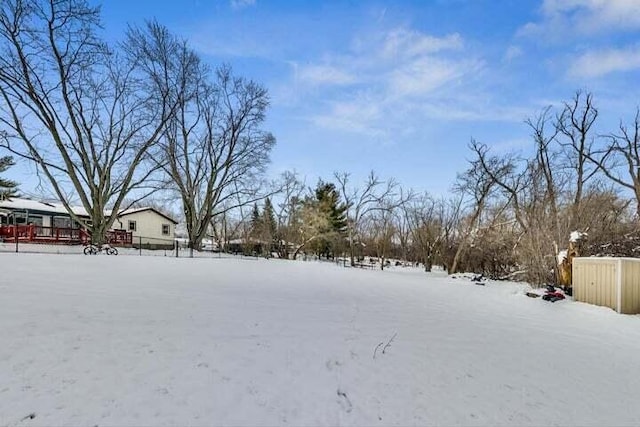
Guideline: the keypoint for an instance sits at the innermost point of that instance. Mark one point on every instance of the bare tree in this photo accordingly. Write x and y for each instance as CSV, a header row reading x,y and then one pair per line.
x,y
529,188
426,222
404,232
478,182
575,122
450,211
287,210
375,195
85,114
216,148
226,225
619,160
544,192
382,229
311,223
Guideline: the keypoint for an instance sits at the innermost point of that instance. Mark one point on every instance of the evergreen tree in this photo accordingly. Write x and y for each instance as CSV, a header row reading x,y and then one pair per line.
x,y
269,226
7,188
329,200
328,205
269,219
256,221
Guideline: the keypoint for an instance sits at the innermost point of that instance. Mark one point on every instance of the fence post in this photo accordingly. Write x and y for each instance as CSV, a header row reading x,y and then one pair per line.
x,y
175,242
140,245
15,233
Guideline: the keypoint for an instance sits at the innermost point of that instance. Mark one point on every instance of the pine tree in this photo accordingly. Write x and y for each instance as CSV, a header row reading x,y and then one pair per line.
x,y
269,226
256,221
269,219
329,200
329,206
7,188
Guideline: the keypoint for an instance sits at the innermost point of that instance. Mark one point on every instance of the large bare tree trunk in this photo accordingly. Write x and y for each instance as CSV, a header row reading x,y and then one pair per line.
x,y
216,148
84,113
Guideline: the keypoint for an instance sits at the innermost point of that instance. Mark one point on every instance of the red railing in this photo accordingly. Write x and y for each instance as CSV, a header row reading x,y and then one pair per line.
x,y
119,237
59,235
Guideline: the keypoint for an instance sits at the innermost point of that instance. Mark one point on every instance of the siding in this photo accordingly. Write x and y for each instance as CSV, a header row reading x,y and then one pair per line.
x,y
609,282
631,286
595,281
148,227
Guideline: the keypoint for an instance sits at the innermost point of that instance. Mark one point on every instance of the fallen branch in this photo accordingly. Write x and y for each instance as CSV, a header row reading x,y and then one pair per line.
x,y
384,349
384,346
376,349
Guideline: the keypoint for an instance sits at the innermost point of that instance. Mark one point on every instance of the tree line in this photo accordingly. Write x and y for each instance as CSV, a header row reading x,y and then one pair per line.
x,y
510,215
109,124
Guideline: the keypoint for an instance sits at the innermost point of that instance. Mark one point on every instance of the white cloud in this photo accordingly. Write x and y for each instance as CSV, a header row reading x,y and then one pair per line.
x,y
561,18
323,75
427,74
602,62
363,116
385,78
512,53
408,44
392,85
241,4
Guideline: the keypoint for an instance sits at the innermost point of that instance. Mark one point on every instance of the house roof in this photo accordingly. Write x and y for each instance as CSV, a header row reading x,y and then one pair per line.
x,y
20,204
136,210
17,203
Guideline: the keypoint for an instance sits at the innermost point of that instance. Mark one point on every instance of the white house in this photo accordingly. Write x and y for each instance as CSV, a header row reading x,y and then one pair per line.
x,y
46,214
148,226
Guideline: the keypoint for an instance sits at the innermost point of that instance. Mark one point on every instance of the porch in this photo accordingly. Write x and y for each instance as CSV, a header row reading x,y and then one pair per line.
x,y
59,235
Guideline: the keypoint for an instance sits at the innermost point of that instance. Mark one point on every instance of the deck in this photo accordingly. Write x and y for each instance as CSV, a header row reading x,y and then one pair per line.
x,y
59,235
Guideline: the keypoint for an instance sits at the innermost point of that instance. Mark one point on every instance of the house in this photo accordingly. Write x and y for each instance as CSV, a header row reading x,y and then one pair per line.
x,y
149,227
17,211
50,222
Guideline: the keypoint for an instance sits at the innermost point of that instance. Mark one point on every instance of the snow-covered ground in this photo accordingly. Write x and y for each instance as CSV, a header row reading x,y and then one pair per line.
x,y
165,341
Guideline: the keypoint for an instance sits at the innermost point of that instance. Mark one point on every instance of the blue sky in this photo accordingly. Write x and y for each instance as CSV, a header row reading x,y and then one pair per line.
x,y
401,86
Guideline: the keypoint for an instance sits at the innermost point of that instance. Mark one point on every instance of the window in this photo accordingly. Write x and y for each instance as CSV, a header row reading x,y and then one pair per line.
x,y
61,222
165,229
132,226
35,220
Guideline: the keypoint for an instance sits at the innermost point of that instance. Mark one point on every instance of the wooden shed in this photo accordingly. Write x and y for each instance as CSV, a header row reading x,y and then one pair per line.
x,y
609,282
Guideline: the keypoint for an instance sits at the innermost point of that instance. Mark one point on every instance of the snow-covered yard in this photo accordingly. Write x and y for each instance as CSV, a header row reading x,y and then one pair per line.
x,y
163,341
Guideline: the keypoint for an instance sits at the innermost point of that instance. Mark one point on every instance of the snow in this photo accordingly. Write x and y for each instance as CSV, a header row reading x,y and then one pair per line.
x,y
576,236
16,203
562,255
163,341
37,248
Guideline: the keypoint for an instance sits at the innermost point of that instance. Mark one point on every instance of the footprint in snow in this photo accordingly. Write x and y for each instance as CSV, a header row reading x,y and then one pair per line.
x,y
344,401
29,417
